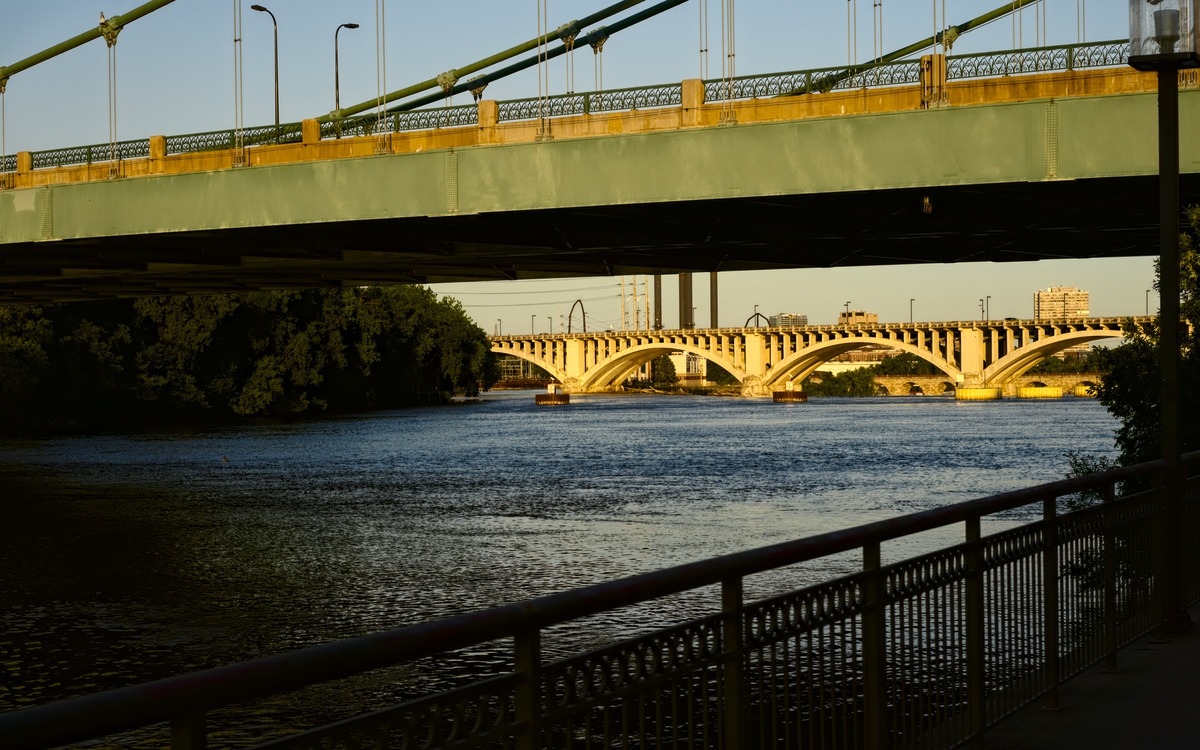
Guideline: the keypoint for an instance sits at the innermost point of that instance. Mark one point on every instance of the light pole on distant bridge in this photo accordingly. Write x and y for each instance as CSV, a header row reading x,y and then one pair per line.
x,y
980,309
274,26
337,94
987,308
911,300
847,320
531,317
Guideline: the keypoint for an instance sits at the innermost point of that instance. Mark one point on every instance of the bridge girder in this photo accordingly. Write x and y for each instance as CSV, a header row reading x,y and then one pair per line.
x,y
612,370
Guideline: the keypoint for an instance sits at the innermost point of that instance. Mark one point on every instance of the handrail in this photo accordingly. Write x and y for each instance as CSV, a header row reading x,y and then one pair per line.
x,y
1034,59
176,697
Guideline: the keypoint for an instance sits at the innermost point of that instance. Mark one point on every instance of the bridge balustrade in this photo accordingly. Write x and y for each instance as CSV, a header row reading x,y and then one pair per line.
x,y
927,651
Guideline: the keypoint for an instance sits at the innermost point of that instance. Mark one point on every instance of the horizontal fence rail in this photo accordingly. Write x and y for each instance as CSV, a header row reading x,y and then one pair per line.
x,y
818,80
923,652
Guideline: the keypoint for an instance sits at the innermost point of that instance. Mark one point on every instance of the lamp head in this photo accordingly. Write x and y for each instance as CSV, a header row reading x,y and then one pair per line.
x,y
350,25
258,7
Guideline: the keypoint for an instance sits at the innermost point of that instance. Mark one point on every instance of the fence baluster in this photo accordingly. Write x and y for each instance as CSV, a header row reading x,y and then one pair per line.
x,y
1050,597
528,653
734,652
1110,580
977,716
189,732
874,650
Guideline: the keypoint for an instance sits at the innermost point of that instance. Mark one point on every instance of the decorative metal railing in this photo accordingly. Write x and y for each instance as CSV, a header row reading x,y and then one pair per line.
x,y
926,652
615,100
1109,54
8,163
897,73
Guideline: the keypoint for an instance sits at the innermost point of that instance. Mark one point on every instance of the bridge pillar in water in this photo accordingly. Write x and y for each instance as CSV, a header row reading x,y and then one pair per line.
x,y
970,355
574,364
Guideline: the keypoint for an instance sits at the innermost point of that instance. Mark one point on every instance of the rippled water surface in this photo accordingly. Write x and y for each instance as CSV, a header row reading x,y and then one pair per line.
x,y
129,557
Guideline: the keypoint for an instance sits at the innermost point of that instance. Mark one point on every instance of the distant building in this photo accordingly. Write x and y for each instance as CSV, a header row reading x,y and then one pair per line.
x,y
785,320
1061,302
851,317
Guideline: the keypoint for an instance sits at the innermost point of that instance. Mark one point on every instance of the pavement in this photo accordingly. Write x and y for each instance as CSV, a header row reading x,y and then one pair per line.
x,y
1151,702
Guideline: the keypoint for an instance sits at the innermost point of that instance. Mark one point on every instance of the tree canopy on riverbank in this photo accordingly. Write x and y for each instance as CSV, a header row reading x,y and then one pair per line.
x,y
184,359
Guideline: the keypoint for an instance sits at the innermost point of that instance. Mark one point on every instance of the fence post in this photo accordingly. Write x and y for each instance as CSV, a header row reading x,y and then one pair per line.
x,y
1050,597
188,732
976,693
528,653
734,675
1110,579
875,718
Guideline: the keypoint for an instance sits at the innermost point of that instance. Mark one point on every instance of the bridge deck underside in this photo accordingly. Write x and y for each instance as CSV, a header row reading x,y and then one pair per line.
x,y
1004,222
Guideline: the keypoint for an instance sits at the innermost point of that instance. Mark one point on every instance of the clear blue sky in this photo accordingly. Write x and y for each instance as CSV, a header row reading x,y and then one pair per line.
x,y
175,75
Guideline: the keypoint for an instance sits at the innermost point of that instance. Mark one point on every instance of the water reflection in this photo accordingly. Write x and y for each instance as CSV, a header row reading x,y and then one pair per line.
x,y
129,557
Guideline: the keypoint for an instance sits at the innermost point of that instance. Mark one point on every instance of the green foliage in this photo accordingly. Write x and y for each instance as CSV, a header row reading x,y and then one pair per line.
x,y
222,356
905,363
718,375
662,373
1094,361
857,382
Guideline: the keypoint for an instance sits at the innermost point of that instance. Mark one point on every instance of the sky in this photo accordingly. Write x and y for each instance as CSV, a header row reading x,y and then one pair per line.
x,y
175,75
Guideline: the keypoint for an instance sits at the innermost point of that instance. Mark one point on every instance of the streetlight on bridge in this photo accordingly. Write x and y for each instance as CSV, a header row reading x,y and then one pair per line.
x,y
499,327
337,94
531,317
910,314
981,310
550,323
274,26
847,320
987,308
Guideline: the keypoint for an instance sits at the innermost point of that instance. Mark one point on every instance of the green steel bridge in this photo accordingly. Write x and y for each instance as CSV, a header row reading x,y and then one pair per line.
x,y
1013,156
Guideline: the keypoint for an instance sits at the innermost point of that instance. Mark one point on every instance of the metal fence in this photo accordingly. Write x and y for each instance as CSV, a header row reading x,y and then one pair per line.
x,y
897,73
925,652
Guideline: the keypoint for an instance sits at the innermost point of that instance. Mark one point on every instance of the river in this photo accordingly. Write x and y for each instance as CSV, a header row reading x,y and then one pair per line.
x,y
127,557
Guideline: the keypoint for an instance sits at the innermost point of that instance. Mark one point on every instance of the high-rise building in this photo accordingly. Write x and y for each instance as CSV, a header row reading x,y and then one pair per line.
x,y
784,320
1061,302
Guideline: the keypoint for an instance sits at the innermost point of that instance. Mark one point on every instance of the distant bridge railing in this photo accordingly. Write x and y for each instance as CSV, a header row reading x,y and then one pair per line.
x,y
903,72
928,651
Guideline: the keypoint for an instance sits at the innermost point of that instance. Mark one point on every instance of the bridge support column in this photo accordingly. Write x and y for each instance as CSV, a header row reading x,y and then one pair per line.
x,y
573,364
970,350
756,365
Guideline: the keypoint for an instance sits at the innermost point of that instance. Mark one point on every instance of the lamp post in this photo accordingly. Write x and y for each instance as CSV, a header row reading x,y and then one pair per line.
x,y
531,317
1156,44
987,308
274,26
499,327
910,314
337,94
550,323
847,320
981,310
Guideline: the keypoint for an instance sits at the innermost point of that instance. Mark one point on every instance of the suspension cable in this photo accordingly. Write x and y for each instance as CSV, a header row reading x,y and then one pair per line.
x,y
703,5
380,74
239,137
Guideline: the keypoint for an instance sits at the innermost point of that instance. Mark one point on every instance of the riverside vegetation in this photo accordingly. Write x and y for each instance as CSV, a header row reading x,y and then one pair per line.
x,y
181,360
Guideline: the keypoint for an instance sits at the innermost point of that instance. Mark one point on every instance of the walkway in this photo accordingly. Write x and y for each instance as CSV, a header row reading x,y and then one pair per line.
x,y
1150,703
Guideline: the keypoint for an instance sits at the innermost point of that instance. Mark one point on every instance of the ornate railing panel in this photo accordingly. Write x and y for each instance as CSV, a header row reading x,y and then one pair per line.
x,y
101,152
1111,54
8,163
616,100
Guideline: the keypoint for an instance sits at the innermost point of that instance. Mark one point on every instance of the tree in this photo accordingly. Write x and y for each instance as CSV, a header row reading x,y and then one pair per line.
x,y
662,373
905,363
857,382
1130,389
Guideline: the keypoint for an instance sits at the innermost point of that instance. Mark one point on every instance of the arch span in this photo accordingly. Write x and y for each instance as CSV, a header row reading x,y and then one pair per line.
x,y
1017,363
608,372
555,372
808,360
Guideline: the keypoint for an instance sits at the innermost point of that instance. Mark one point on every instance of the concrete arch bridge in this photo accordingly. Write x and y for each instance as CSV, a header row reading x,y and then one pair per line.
x,y
981,358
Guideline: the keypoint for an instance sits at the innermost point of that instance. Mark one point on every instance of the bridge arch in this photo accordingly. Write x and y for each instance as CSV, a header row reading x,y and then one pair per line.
x,y
1018,362
555,372
808,360
608,372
